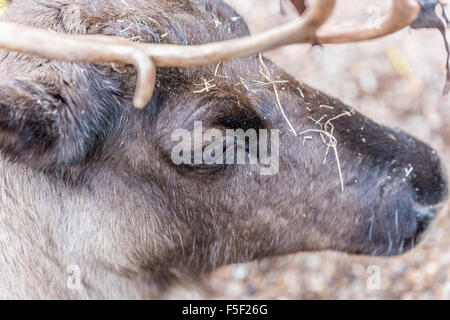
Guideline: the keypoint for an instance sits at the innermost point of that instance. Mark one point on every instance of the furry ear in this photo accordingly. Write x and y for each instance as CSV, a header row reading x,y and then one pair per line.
x,y
44,127
230,17
29,121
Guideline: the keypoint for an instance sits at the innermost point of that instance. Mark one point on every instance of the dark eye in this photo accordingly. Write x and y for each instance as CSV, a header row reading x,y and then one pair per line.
x,y
230,136
233,147
244,121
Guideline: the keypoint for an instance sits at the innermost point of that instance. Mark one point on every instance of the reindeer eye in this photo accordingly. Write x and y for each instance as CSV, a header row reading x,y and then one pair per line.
x,y
214,152
242,122
236,147
230,131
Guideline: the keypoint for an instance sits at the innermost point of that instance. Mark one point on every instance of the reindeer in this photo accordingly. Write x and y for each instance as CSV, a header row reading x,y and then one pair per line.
x,y
91,203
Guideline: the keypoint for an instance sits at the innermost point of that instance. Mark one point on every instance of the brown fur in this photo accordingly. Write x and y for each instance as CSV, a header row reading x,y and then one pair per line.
x,y
87,181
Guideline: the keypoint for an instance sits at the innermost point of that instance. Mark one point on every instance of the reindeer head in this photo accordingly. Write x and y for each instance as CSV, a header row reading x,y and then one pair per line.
x,y
341,181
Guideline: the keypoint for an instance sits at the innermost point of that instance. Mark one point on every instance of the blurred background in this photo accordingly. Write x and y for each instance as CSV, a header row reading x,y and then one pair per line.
x,y
396,81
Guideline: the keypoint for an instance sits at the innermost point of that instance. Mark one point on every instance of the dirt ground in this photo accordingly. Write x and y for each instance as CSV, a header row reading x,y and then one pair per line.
x,y
396,81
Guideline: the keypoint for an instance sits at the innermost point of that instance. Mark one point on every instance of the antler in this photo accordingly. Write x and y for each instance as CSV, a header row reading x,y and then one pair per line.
x,y
146,57
402,14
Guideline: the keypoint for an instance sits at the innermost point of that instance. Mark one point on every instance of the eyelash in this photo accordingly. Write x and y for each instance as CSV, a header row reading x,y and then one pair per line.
x,y
226,149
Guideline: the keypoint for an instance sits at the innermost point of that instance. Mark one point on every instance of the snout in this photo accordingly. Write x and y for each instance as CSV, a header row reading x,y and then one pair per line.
x,y
429,181
419,202
425,216
403,196
404,219
430,191
415,224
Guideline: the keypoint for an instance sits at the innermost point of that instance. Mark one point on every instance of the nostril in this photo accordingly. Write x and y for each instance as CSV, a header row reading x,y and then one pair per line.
x,y
424,213
424,217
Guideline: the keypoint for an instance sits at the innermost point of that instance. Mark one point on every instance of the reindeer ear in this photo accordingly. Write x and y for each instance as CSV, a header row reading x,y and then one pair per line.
x,y
229,16
32,128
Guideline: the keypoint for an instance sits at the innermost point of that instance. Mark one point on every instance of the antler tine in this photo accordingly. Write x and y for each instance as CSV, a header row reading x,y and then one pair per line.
x,y
145,57
402,14
79,48
301,30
